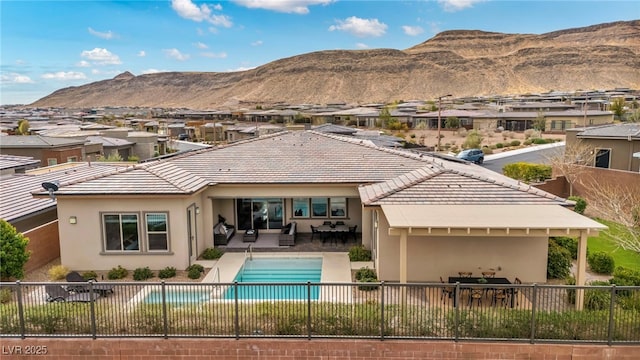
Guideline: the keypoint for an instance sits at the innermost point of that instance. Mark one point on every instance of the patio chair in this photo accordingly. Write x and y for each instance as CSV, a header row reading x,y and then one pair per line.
x,y
353,233
74,276
476,294
488,274
465,274
327,223
516,290
339,222
56,293
446,290
314,231
500,294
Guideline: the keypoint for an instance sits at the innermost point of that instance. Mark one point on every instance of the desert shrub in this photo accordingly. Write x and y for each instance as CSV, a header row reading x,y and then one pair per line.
x,y
462,132
515,143
625,277
117,273
359,253
89,275
527,142
194,273
531,133
473,140
142,273
57,272
198,267
581,204
527,172
212,253
540,141
508,134
600,262
558,261
568,243
167,272
487,151
499,145
368,276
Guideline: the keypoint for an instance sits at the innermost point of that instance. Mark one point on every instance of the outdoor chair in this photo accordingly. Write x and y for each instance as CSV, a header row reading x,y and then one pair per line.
x,y
327,223
446,290
465,274
516,290
314,231
74,276
353,233
500,294
339,222
488,274
56,293
477,295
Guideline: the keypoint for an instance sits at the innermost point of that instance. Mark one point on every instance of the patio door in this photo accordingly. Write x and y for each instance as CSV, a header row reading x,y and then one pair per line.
x,y
260,213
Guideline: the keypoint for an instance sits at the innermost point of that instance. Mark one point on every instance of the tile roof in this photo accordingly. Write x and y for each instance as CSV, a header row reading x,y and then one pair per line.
x,y
614,131
37,141
16,200
450,187
14,161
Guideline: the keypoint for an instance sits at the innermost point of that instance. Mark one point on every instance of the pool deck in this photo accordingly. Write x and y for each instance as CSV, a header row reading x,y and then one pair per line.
x,y
336,267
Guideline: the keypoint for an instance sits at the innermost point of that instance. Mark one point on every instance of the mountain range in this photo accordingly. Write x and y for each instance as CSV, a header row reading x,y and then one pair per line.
x,y
458,62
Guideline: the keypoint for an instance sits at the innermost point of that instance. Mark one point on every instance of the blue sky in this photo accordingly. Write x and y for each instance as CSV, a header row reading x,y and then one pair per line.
x,y
49,45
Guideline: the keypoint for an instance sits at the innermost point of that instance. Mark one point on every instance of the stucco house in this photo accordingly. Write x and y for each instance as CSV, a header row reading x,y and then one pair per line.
x,y
616,146
422,216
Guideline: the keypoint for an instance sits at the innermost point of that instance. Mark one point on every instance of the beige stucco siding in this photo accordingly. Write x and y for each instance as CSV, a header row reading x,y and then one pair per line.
x,y
81,244
430,257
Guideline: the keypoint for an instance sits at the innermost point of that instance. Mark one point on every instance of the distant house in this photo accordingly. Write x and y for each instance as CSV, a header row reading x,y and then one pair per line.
x,y
49,150
11,164
558,121
616,146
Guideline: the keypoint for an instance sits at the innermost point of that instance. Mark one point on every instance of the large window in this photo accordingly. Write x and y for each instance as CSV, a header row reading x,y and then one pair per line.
x,y
122,232
319,207
603,157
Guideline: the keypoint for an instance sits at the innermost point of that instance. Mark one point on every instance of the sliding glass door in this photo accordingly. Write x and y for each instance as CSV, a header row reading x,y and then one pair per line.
x,y
260,213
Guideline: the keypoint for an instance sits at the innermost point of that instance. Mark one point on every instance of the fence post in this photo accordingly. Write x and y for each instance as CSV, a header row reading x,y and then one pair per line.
x,y
164,310
309,310
611,318
382,310
456,307
236,318
20,309
534,296
92,307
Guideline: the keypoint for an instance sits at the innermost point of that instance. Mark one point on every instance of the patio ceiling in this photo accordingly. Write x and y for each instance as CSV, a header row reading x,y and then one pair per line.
x,y
483,220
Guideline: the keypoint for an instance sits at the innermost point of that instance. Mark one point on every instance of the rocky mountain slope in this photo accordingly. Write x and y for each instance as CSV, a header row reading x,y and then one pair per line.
x,y
462,63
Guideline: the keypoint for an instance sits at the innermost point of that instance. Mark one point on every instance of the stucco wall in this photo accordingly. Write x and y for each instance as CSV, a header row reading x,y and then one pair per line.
x,y
430,257
81,243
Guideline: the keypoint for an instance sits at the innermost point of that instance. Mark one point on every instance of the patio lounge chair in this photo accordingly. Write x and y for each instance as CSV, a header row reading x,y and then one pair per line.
x,y
74,276
58,293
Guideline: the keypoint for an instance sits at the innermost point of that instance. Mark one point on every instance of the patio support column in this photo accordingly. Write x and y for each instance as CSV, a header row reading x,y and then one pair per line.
x,y
403,265
581,271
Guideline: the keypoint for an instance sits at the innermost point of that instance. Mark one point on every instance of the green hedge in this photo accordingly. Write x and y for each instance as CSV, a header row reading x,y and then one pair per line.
x,y
558,261
527,172
601,262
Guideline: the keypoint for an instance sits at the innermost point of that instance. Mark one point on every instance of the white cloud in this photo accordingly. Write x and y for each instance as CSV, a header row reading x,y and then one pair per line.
x,y
65,75
176,54
256,43
142,53
412,30
241,68
217,7
188,10
221,55
83,63
200,45
285,6
455,5
104,35
360,27
362,46
101,57
15,78
153,71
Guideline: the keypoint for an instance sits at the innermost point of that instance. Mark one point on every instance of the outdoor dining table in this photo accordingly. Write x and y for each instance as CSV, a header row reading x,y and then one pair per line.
x,y
475,280
333,231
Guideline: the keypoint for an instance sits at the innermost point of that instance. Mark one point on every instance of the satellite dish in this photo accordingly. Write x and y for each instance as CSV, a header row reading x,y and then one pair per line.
x,y
51,187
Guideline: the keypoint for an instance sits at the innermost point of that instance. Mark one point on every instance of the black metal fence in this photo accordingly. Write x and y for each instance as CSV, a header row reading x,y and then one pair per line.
x,y
527,313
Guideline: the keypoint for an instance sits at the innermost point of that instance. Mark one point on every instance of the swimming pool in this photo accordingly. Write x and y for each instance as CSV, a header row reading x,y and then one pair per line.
x,y
289,271
193,296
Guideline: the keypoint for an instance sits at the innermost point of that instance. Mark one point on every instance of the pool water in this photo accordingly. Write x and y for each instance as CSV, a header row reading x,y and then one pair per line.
x,y
178,296
277,270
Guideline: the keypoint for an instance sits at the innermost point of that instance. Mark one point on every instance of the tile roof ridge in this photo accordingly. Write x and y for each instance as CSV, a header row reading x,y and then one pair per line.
x,y
155,171
117,170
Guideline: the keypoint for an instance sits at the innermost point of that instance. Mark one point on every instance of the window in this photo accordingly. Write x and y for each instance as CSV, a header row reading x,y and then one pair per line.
x,y
122,232
300,207
338,207
72,159
319,207
157,231
603,156
52,161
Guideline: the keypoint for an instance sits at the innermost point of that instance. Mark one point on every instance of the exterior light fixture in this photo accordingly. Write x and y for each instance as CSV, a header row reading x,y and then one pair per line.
x,y
73,220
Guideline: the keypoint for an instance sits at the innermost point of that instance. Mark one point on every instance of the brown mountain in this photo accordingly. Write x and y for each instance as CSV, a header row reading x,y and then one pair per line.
x,y
461,62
